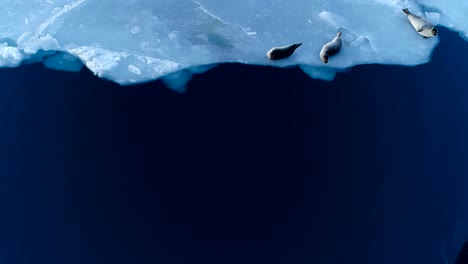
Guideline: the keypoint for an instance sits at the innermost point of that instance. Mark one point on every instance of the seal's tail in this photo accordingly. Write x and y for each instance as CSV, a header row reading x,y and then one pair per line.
x,y
406,10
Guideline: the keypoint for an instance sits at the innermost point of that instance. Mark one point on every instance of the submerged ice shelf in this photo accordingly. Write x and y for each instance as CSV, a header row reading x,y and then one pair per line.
x,y
135,41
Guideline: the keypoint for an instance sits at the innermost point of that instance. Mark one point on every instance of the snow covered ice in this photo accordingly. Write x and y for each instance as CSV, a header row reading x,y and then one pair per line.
x,y
135,41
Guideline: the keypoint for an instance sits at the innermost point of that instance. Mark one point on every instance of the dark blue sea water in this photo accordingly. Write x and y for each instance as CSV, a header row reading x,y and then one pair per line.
x,y
250,165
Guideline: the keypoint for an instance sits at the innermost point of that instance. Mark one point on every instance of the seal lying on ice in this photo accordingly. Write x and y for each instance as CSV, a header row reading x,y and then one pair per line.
x,y
278,53
421,25
331,48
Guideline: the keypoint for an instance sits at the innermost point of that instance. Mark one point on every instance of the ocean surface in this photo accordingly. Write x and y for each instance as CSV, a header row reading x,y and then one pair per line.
x,y
250,165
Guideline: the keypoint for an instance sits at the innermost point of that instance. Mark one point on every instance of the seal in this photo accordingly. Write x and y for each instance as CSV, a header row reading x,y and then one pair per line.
x,y
278,53
331,48
421,25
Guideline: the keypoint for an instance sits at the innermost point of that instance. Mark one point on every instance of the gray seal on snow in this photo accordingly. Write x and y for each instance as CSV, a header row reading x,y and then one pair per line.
x,y
278,53
421,25
331,48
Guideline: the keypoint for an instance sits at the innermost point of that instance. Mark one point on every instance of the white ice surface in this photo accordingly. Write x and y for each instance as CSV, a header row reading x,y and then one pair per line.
x,y
135,41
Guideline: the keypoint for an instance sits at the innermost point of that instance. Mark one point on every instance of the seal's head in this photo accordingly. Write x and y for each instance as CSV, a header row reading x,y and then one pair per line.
x,y
434,31
338,34
324,58
272,54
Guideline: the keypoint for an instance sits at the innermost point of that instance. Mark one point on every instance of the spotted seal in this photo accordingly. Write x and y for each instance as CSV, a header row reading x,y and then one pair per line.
x,y
331,48
421,25
278,53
